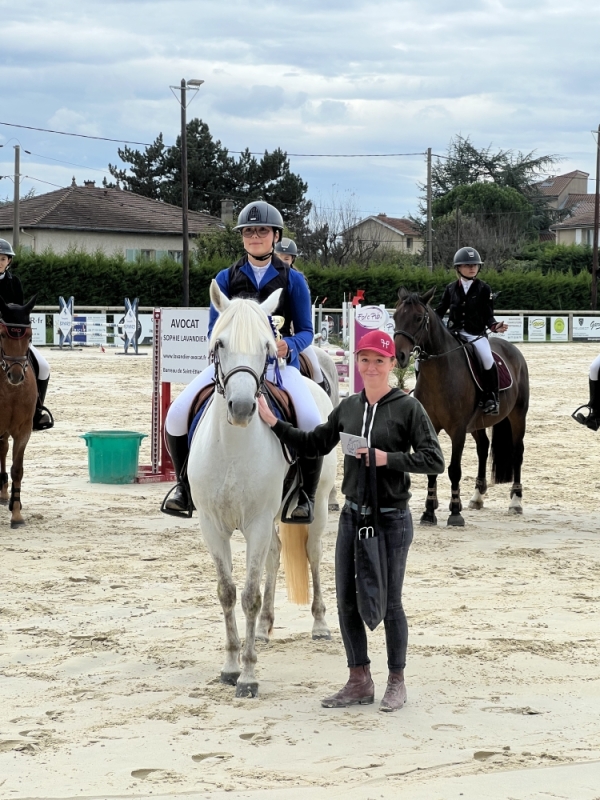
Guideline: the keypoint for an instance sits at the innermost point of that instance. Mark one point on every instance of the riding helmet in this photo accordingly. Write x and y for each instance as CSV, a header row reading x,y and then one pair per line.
x,y
467,255
287,247
6,248
260,213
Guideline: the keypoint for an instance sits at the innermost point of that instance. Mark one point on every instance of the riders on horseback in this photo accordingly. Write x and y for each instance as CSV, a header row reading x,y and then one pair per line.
x,y
592,420
11,291
471,306
257,275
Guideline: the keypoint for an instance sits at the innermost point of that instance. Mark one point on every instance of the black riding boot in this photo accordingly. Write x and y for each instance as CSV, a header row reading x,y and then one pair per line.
x,y
592,420
178,502
490,404
42,417
310,472
325,386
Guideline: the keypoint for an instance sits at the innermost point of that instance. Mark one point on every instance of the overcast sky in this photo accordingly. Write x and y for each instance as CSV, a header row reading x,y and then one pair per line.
x,y
311,77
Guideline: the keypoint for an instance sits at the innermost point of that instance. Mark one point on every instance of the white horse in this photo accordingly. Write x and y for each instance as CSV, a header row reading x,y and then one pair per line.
x,y
236,471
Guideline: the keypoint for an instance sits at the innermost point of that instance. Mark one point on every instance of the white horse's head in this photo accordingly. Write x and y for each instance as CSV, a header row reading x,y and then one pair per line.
x,y
242,341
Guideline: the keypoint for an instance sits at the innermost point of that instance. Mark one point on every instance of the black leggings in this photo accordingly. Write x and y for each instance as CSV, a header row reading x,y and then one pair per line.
x,y
397,528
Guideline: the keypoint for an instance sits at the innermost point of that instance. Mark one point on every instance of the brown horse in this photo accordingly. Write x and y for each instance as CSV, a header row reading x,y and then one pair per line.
x,y
18,395
446,389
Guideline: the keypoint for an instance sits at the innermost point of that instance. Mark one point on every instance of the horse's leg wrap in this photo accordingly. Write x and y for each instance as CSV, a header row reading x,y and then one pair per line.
x,y
15,496
481,485
3,478
517,489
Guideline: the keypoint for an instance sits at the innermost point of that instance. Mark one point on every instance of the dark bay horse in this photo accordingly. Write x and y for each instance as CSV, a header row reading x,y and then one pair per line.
x,y
446,389
18,395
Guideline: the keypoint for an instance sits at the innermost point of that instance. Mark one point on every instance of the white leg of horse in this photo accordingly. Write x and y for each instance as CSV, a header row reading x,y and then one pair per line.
x,y
516,495
333,501
476,500
219,546
314,550
266,619
258,535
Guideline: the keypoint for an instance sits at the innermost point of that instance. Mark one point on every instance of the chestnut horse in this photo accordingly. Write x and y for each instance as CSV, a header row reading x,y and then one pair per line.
x,y
18,396
447,391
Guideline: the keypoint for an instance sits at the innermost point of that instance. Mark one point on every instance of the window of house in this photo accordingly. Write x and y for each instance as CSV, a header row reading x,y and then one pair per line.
x,y
409,243
177,255
131,255
148,255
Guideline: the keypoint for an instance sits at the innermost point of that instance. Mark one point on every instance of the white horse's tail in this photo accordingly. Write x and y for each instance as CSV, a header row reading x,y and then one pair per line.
x,y
295,561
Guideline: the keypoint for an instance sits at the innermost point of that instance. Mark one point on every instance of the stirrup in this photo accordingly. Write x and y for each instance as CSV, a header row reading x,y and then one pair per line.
x,y
287,516
187,512
595,422
40,424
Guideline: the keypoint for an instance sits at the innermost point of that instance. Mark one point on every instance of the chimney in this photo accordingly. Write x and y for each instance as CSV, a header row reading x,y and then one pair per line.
x,y
382,215
90,184
227,211
73,182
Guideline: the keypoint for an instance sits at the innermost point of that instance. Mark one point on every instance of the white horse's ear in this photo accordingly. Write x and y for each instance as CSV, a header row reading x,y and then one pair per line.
x,y
270,304
217,298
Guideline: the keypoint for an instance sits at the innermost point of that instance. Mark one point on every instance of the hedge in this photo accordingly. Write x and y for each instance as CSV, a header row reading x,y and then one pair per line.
x,y
101,280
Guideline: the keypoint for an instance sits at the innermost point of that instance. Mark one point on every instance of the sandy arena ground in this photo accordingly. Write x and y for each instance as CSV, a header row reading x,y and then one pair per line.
x,y
111,634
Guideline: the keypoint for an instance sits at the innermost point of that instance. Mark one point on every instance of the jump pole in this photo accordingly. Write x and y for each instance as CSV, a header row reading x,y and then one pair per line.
x,y
161,468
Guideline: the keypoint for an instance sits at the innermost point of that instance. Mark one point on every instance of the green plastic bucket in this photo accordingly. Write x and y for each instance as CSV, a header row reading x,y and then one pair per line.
x,y
113,455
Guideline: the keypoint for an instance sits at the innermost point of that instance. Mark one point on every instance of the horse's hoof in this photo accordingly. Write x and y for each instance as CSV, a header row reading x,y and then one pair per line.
x,y
477,504
334,506
230,678
323,636
428,519
456,521
17,523
515,510
3,501
261,638
247,689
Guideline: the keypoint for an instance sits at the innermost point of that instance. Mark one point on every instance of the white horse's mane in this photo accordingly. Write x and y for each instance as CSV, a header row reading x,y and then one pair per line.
x,y
244,320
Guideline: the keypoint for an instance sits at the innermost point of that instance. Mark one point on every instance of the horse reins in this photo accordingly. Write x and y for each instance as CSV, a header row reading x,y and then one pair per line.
x,y
14,331
222,378
417,349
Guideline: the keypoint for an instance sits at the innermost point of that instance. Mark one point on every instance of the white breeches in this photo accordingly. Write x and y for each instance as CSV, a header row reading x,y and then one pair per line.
x,y
307,412
484,351
43,365
311,354
595,369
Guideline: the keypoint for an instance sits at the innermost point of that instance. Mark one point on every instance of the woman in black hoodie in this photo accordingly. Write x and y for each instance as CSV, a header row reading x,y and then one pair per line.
x,y
400,433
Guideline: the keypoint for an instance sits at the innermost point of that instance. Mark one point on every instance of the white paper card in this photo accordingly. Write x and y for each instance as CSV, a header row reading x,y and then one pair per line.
x,y
351,443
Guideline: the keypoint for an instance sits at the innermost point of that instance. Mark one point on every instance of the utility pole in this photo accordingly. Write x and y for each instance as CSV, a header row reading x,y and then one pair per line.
x,y
596,220
429,228
184,87
184,199
457,223
16,221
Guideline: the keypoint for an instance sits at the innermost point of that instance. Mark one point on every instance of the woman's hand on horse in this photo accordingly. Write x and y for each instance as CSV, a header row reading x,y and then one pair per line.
x,y
500,327
265,412
380,456
282,348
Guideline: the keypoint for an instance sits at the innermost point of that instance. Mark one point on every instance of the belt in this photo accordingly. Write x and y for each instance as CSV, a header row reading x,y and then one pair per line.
x,y
365,511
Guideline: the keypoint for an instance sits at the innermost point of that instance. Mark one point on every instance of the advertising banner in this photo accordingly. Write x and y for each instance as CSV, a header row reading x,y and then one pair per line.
x,y
515,327
536,329
38,329
368,318
586,329
559,329
184,344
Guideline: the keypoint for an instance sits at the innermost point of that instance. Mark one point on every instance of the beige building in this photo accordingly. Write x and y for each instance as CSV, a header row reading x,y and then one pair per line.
x,y
392,233
578,228
95,219
557,188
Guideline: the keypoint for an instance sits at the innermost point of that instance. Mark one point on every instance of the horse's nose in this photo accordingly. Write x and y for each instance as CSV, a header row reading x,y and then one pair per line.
x,y
240,411
402,359
15,380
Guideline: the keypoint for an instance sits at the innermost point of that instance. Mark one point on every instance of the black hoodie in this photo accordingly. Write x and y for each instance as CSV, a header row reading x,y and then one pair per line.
x,y
398,425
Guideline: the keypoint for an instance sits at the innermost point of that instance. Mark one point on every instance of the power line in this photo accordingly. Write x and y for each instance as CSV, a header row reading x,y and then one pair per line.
x,y
237,152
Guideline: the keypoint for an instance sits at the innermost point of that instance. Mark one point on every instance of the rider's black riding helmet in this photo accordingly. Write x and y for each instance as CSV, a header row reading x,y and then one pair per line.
x,y
6,250
287,247
260,213
467,255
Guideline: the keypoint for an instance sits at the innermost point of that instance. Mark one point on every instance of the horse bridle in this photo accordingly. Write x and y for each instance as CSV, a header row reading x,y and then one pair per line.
x,y
412,338
14,331
222,378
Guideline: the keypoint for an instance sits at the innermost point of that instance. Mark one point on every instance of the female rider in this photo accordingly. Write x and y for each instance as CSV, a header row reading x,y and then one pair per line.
x,y
471,306
402,436
11,291
259,273
592,420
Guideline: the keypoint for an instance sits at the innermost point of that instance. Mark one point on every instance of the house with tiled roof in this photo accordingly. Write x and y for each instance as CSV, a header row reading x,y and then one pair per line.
x,y
92,218
392,233
556,189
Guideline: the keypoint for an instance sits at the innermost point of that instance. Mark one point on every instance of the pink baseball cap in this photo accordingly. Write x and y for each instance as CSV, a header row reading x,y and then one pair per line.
x,y
379,342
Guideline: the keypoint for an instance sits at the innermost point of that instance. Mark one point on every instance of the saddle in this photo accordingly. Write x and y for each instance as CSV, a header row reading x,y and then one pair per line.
x,y
306,369
281,405
505,380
